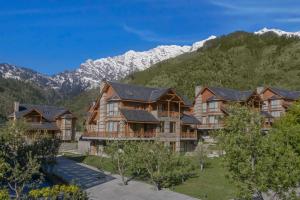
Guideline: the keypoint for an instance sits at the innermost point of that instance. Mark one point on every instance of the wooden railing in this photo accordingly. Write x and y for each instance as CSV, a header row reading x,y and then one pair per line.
x,y
168,114
146,134
142,134
101,134
188,135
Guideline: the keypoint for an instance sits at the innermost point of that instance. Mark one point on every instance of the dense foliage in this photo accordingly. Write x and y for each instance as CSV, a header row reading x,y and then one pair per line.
x,y
22,157
14,90
258,162
150,161
63,192
239,60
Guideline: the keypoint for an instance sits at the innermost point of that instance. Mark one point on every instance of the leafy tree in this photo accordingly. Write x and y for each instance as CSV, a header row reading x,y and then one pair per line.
x,y
282,156
120,154
164,167
201,154
21,159
260,162
242,141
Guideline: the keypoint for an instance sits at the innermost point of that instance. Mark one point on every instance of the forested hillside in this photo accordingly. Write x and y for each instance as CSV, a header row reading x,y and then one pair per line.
x,y
239,60
13,90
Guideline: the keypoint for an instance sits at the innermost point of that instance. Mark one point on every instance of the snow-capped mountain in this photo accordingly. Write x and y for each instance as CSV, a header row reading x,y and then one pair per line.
x,y
91,72
278,32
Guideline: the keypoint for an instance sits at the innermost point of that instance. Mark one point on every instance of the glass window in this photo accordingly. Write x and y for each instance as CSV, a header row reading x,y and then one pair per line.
x,y
204,120
275,103
265,105
213,106
112,109
112,126
212,119
172,127
276,113
204,107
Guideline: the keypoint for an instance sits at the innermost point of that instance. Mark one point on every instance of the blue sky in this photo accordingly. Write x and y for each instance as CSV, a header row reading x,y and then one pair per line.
x,y
51,36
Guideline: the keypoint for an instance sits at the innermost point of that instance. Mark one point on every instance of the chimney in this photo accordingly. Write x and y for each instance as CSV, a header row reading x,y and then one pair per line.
x,y
259,90
16,106
198,103
102,84
198,88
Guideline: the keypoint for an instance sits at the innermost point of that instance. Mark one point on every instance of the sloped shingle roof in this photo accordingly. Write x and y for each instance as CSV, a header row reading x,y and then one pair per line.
x,y
231,94
189,119
138,116
141,93
48,112
293,95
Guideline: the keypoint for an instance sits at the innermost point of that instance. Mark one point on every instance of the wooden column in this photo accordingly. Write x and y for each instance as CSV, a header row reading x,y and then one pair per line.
x,y
168,108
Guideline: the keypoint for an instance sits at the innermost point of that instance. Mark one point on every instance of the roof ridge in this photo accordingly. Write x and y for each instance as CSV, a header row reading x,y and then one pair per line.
x,y
133,85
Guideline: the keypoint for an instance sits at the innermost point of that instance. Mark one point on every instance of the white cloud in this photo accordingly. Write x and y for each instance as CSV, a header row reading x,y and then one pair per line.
x,y
153,37
45,11
258,7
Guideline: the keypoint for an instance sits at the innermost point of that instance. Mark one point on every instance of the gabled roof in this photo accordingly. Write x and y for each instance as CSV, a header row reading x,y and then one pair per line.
x,y
138,116
189,119
230,94
50,113
286,94
141,93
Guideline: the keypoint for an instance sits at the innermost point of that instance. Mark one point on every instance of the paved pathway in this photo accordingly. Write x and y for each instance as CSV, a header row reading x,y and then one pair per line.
x,y
100,186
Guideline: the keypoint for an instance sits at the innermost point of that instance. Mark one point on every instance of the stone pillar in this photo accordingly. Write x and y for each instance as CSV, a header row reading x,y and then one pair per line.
x,y
259,90
102,113
198,103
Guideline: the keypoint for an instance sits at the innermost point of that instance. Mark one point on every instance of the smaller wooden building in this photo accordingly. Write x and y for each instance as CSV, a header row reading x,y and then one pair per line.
x,y
56,121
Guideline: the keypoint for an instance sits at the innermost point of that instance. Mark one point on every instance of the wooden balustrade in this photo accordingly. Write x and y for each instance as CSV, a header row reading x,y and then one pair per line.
x,y
167,114
146,134
188,135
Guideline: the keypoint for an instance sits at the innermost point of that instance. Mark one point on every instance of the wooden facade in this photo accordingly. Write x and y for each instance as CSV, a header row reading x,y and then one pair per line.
x,y
127,112
52,120
210,104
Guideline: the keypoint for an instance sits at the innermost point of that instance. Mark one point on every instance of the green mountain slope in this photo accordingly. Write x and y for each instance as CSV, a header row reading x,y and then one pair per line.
x,y
80,104
13,90
239,60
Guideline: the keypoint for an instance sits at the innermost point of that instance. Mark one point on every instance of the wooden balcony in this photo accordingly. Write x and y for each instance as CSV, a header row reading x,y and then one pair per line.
x,y
188,135
123,135
168,114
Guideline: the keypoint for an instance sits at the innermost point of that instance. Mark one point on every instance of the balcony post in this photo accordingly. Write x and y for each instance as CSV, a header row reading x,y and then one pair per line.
x,y
168,108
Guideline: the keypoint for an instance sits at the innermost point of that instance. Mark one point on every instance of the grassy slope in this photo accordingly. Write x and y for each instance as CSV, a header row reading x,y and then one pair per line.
x,y
210,184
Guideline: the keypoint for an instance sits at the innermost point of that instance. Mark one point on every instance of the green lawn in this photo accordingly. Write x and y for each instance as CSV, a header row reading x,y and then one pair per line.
x,y
210,184
95,161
